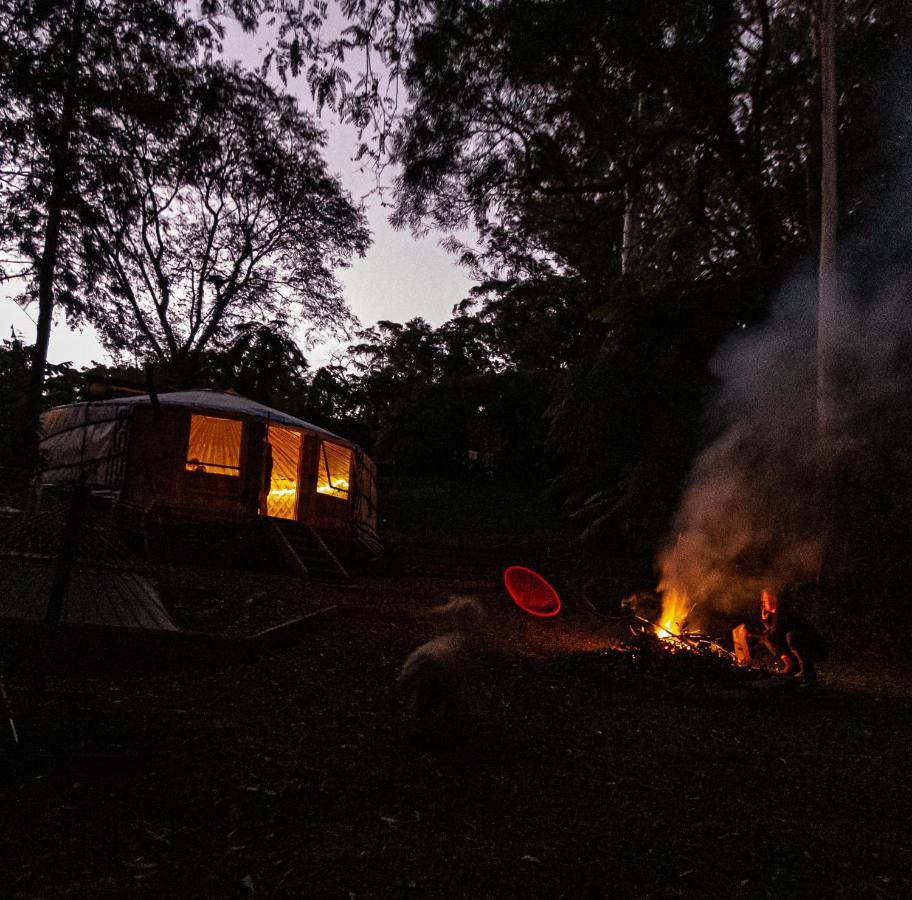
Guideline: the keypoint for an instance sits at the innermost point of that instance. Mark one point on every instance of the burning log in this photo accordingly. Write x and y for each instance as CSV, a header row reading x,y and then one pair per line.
x,y
665,644
694,660
666,619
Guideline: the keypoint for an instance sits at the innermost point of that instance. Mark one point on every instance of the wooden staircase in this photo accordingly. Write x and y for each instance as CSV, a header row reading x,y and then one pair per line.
x,y
261,543
305,552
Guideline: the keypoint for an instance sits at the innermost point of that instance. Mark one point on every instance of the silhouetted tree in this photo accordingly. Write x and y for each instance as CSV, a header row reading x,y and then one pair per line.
x,y
72,70
263,362
66,69
540,124
229,216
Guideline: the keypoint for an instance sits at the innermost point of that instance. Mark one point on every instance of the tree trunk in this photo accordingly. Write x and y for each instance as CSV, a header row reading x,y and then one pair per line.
x,y
61,180
834,524
827,301
630,239
630,235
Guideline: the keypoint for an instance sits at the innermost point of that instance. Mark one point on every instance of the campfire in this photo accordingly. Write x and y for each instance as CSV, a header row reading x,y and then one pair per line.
x,y
673,619
667,618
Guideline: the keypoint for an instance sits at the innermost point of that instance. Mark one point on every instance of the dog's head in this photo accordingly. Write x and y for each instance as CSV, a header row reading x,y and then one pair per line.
x,y
462,613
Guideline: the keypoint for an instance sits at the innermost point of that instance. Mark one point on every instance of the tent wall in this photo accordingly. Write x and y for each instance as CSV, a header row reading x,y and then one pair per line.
x,y
86,438
365,492
158,472
156,454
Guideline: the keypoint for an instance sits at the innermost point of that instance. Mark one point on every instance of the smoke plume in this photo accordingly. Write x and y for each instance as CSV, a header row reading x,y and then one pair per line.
x,y
775,500
770,494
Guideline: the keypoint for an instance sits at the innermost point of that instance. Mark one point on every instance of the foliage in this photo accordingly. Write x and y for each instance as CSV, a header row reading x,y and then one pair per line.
x,y
68,69
550,127
418,389
262,363
62,386
74,74
641,178
124,54
350,52
230,215
478,513
530,121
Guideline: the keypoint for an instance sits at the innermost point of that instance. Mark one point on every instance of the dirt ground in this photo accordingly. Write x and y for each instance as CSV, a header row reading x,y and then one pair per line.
x,y
577,774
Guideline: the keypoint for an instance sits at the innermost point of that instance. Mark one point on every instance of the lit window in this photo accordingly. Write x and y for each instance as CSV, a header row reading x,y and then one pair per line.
x,y
215,446
334,470
285,449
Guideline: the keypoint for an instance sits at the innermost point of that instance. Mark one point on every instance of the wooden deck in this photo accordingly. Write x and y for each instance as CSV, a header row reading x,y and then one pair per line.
x,y
96,595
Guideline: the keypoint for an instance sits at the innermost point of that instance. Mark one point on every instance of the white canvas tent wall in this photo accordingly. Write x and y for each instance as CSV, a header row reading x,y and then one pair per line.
x,y
89,438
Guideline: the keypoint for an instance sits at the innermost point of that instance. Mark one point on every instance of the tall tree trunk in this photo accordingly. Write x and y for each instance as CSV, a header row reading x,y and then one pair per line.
x,y
633,205
61,180
827,300
833,523
630,238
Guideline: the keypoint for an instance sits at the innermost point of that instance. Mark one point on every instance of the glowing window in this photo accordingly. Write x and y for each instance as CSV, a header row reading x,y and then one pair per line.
x,y
215,446
285,448
334,470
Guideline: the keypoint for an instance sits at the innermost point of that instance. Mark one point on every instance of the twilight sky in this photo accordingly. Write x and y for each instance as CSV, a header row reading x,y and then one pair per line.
x,y
400,277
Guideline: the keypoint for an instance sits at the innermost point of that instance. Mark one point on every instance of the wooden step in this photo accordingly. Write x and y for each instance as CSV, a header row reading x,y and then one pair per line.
x,y
305,551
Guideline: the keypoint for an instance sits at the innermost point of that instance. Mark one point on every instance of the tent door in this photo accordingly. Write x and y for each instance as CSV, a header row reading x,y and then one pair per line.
x,y
283,462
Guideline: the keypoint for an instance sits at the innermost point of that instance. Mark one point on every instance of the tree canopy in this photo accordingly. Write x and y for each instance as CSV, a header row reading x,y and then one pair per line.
x,y
688,131
229,217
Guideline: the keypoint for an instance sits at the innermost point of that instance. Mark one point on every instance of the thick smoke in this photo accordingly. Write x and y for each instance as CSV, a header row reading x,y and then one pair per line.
x,y
773,501
765,500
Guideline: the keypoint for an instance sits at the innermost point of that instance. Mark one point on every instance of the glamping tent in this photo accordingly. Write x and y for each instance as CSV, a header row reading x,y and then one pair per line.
x,y
215,456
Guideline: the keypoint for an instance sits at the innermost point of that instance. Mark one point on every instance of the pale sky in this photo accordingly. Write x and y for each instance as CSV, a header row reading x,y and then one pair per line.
x,y
400,277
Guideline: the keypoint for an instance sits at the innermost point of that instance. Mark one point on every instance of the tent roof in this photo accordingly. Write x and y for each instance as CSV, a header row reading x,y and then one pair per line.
x,y
226,403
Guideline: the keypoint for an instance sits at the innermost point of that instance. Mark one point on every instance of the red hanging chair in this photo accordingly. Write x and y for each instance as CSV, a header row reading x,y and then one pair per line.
x,y
531,593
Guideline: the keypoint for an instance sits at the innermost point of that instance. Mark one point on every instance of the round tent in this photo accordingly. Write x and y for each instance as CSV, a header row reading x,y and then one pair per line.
x,y
214,455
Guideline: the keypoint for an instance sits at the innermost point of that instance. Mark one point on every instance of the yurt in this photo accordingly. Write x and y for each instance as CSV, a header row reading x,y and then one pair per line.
x,y
215,456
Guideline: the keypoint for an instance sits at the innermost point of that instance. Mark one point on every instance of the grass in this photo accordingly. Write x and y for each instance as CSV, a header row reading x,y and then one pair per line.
x,y
577,775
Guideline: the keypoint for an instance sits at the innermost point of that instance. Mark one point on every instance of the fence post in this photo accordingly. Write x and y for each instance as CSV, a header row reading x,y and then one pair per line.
x,y
53,615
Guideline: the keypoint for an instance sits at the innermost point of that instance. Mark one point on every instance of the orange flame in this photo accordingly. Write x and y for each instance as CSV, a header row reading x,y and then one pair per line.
x,y
675,608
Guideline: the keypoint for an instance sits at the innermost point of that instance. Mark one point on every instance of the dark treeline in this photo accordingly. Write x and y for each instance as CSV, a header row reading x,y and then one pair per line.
x,y
642,179
653,172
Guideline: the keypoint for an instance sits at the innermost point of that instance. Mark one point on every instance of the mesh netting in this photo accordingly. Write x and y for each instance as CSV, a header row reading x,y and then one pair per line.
x,y
109,582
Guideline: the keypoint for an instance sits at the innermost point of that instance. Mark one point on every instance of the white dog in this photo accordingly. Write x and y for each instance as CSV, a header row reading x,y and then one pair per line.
x,y
461,613
436,678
